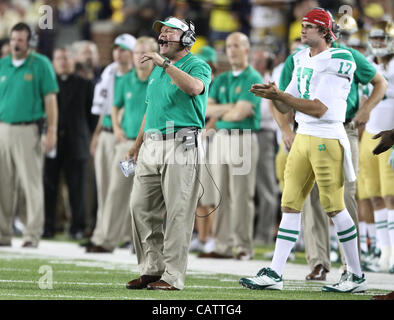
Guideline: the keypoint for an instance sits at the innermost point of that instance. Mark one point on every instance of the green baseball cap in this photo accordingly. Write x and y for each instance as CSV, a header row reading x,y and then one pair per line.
x,y
208,54
171,22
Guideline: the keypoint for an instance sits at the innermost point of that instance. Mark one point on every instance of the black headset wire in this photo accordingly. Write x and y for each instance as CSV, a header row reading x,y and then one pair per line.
x,y
203,189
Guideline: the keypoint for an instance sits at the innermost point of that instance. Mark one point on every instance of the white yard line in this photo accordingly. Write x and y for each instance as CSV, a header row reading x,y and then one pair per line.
x,y
59,296
121,259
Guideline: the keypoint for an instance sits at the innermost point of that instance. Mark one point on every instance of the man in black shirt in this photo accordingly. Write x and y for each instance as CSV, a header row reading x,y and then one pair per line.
x,y
75,125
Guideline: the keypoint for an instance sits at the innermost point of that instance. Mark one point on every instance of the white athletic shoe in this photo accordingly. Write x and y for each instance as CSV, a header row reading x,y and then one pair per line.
x,y
371,266
266,279
349,283
196,245
209,245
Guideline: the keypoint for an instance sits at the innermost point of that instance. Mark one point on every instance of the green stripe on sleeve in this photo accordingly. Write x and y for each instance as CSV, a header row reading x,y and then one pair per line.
x,y
343,56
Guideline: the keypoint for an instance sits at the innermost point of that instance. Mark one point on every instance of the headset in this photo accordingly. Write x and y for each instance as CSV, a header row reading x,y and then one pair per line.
x,y
188,37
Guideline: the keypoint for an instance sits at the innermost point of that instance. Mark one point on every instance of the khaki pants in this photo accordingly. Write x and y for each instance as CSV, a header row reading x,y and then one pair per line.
x,y
102,163
162,187
316,221
21,159
234,219
116,206
266,187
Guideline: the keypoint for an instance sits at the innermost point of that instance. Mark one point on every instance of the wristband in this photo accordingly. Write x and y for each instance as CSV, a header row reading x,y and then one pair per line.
x,y
166,63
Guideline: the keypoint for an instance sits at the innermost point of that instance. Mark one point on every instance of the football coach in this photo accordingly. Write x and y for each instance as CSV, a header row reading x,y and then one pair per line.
x,y
168,147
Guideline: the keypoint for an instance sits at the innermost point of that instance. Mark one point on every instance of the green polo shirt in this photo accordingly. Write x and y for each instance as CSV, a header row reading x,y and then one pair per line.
x,y
364,73
166,102
107,120
23,88
228,88
130,93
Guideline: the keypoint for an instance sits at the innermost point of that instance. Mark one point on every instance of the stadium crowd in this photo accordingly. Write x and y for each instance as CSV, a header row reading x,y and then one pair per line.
x,y
83,191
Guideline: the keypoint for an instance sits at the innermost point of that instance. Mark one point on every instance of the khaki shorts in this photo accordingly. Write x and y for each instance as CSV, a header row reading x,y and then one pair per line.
x,y
361,191
314,159
379,176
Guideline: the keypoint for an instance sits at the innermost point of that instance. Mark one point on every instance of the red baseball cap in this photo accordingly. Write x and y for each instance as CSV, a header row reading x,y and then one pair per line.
x,y
320,17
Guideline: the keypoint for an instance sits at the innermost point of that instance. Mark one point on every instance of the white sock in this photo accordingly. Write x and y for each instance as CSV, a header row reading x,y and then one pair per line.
x,y
288,232
362,226
372,234
390,226
382,233
347,234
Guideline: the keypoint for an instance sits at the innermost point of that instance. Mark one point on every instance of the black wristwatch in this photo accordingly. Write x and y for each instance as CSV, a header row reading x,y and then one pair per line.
x,y
166,63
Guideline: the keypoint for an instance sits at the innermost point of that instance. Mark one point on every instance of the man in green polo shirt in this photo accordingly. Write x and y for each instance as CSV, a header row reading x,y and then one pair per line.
x,y
130,94
317,243
167,151
28,90
236,146
103,142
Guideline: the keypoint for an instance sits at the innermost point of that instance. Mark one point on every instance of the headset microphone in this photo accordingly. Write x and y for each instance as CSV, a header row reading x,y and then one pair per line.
x,y
165,41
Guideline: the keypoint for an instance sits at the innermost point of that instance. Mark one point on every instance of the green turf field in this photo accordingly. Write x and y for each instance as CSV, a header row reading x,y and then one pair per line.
x,y
20,279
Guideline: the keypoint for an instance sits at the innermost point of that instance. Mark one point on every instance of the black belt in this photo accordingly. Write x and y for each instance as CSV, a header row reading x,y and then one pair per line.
x,y
156,136
107,129
23,123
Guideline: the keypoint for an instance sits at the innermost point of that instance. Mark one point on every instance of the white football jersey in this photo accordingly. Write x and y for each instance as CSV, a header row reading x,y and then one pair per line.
x,y
382,116
326,76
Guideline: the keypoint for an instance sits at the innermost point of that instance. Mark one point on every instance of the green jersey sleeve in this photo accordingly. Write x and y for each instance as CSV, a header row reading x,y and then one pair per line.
x,y
287,72
342,64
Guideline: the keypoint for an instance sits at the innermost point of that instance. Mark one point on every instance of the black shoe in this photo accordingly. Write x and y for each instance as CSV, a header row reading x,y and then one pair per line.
x,y
97,249
141,282
48,235
87,244
29,244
